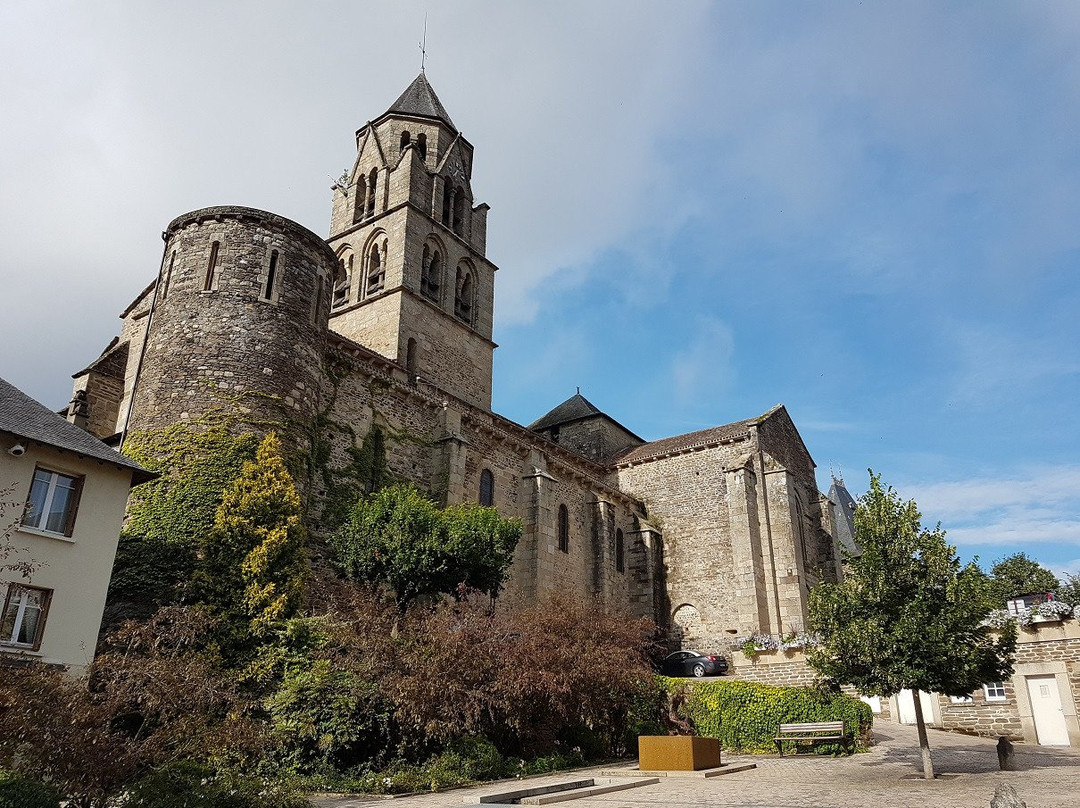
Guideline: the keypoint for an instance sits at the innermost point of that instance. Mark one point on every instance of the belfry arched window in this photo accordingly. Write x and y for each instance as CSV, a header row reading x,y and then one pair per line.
x,y
431,273
342,281
447,201
421,145
373,179
487,488
463,295
376,273
405,140
564,529
360,201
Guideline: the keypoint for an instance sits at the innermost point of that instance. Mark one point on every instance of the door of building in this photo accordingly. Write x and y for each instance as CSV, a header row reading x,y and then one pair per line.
x,y
1046,710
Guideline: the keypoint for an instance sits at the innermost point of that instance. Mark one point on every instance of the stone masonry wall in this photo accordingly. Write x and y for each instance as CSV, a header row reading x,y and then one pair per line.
x,y
443,445
230,345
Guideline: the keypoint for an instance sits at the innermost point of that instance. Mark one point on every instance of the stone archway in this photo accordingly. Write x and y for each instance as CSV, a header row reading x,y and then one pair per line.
x,y
687,629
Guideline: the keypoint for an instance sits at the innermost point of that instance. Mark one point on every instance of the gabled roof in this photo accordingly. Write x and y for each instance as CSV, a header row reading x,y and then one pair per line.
x,y
683,443
25,418
574,408
419,99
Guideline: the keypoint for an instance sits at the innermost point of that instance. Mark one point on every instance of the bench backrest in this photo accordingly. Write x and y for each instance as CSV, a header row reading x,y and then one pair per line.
x,y
821,726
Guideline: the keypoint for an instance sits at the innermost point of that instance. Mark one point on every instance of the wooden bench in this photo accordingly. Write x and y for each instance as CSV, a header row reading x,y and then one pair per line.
x,y
812,733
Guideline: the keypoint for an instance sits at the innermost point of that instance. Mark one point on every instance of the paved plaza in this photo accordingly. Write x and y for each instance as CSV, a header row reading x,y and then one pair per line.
x,y
1046,777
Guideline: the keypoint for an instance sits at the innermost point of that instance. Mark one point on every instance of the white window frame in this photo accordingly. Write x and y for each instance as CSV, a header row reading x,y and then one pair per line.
x,y
14,590
991,691
69,513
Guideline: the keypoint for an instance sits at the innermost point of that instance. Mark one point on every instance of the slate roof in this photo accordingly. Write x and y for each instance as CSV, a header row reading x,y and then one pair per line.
x,y
25,418
844,504
574,408
691,440
419,99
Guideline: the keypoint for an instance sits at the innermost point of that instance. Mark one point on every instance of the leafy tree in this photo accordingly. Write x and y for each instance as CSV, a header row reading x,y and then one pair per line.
x,y
1019,575
254,563
907,614
399,538
10,562
1069,590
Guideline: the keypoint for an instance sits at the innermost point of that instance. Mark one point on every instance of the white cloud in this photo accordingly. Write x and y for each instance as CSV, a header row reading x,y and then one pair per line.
x,y
1039,506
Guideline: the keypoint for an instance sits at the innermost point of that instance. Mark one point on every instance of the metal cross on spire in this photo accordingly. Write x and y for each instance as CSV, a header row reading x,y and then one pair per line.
x,y
423,46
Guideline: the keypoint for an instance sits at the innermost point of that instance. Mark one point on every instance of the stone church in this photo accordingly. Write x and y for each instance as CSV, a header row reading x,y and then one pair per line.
x,y
388,322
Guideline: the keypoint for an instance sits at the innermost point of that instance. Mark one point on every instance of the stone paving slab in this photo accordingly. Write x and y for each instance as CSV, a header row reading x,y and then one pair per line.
x,y
1046,777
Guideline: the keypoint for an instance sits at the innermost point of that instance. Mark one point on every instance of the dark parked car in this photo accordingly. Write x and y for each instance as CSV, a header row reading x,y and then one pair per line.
x,y
691,663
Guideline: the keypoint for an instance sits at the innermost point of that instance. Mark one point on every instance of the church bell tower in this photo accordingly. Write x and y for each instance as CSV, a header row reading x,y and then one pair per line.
x,y
413,283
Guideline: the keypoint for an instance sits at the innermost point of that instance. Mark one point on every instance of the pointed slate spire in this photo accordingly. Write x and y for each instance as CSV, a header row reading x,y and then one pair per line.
x,y
419,99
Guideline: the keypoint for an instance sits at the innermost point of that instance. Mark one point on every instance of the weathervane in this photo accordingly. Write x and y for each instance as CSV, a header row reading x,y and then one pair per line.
x,y
423,45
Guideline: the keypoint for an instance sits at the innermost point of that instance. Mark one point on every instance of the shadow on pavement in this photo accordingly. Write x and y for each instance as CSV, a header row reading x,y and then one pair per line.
x,y
955,753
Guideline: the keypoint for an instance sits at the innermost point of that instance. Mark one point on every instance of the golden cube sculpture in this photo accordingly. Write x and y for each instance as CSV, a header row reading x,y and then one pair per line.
x,y
677,753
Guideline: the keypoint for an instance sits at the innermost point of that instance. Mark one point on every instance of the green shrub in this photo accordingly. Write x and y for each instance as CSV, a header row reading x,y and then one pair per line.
x,y
192,785
19,792
745,716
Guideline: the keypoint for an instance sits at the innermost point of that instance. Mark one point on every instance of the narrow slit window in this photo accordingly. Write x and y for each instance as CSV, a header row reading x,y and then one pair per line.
x,y
487,488
564,529
211,267
620,551
410,359
271,276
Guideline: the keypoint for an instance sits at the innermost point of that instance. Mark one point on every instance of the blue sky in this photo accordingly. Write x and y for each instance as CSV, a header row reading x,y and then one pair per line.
x,y
867,212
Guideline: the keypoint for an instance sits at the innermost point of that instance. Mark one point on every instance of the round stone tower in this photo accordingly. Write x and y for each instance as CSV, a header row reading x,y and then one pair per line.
x,y
239,323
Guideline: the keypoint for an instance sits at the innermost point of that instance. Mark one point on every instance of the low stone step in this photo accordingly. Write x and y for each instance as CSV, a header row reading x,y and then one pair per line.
x,y
727,768
514,795
589,791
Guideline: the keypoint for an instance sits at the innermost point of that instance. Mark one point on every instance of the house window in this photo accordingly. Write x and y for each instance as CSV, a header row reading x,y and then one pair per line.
x,y
620,551
54,498
24,616
995,691
211,268
564,529
271,276
487,488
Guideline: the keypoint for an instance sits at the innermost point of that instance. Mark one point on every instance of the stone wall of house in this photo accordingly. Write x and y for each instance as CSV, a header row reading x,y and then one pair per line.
x,y
221,338
786,669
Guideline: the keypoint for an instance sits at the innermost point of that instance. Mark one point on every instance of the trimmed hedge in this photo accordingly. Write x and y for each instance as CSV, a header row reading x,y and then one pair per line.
x,y
745,716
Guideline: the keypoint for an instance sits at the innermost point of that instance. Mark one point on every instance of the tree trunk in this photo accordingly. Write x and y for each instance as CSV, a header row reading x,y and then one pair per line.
x,y
924,744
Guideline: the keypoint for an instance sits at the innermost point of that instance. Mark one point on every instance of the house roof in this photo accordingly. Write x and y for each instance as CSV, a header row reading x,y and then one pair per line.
x,y
26,418
419,99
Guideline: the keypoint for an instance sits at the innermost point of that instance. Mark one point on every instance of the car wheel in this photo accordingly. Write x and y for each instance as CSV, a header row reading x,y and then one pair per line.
x,y
699,670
